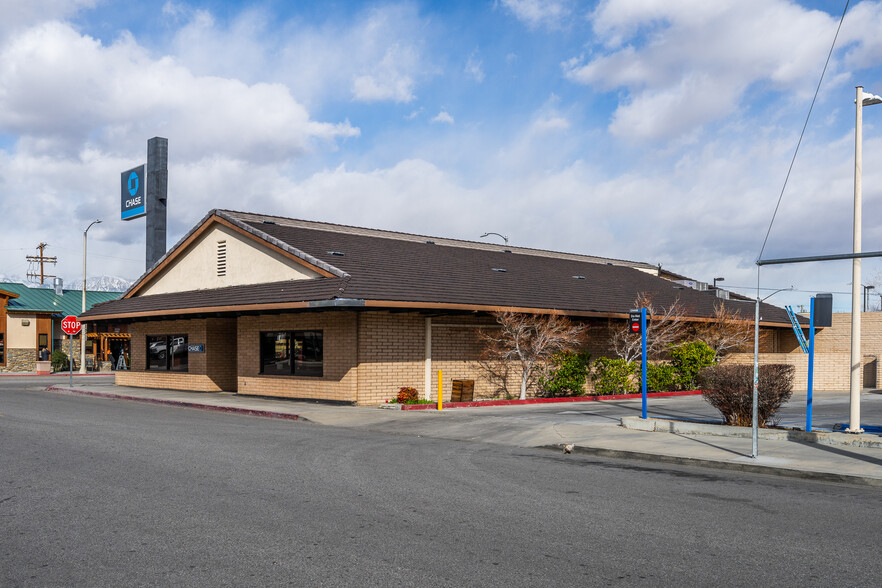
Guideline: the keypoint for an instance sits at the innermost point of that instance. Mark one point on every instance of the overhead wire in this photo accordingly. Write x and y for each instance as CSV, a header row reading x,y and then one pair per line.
x,y
802,134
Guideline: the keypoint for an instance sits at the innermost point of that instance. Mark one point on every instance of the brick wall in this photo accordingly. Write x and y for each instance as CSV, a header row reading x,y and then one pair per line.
x,y
196,378
831,369
832,353
339,374
391,350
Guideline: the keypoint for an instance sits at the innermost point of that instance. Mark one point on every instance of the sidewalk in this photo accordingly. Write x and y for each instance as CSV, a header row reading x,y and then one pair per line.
x,y
526,426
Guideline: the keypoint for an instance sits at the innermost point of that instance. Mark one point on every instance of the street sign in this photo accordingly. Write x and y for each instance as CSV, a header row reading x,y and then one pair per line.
x,y
71,325
634,316
132,201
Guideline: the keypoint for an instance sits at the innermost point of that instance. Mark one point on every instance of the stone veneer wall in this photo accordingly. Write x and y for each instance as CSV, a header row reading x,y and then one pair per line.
x,y
20,360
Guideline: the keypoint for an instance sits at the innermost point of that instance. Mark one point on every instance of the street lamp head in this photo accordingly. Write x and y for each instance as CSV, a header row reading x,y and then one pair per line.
x,y
870,99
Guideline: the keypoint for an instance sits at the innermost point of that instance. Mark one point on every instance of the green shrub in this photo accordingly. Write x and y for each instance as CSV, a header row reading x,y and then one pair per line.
x,y
58,360
688,359
567,376
660,377
613,376
729,389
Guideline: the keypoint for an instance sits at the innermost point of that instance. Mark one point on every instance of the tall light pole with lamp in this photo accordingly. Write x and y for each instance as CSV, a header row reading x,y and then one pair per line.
x,y
855,384
83,332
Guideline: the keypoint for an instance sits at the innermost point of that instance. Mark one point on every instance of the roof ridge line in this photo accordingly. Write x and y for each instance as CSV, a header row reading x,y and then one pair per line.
x,y
388,233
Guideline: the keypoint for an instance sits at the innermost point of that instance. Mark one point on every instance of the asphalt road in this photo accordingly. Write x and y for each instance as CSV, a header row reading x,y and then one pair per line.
x,y
97,492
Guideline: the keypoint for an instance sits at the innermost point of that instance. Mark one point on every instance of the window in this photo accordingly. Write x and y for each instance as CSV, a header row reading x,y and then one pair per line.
x,y
285,353
167,352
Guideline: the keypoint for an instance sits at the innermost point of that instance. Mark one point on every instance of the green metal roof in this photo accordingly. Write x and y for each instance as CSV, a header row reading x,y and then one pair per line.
x,y
45,299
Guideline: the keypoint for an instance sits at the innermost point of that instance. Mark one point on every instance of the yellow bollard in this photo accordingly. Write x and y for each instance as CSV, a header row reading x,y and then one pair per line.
x,y
440,392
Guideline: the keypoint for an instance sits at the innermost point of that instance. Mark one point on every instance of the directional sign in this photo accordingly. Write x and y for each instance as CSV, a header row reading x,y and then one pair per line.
x,y
133,204
71,325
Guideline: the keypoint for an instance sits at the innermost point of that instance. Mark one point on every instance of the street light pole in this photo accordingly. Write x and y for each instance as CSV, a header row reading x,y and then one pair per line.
x,y
855,384
83,331
754,423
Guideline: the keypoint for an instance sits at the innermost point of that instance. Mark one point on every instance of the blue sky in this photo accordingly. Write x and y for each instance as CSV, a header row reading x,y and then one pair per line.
x,y
652,130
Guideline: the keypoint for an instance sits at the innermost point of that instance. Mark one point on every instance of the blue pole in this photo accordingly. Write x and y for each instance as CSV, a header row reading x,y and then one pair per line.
x,y
643,357
811,367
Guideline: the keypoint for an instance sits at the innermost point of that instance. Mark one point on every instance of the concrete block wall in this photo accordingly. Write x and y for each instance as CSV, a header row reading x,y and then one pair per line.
x,y
831,369
391,351
339,374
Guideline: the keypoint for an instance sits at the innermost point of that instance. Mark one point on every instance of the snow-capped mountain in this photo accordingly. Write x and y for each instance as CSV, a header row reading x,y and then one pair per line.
x,y
94,283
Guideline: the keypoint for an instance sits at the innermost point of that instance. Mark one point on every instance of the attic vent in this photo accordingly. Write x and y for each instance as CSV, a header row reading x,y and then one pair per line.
x,y
340,253
579,277
506,250
269,222
430,242
221,258
499,269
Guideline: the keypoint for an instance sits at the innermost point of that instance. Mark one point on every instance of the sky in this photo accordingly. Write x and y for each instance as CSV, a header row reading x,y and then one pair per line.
x,y
650,130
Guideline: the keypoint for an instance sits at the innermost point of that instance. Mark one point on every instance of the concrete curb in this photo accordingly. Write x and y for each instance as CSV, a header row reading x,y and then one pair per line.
x,y
518,402
183,403
699,428
724,465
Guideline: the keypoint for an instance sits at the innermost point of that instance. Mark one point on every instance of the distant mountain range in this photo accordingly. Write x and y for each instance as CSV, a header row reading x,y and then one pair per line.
x,y
95,283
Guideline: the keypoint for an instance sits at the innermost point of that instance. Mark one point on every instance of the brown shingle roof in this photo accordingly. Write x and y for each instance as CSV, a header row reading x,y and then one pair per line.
x,y
398,269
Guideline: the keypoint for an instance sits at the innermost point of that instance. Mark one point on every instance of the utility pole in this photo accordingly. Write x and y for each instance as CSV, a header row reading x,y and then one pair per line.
x,y
41,259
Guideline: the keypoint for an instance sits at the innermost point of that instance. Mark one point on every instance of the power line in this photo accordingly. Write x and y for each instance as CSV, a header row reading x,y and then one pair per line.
x,y
798,143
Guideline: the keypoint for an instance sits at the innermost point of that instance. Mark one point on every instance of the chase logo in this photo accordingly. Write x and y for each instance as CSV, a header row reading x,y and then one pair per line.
x,y
131,192
133,183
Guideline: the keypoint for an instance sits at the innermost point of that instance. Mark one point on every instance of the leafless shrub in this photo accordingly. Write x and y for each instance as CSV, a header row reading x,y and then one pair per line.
x,y
729,389
527,341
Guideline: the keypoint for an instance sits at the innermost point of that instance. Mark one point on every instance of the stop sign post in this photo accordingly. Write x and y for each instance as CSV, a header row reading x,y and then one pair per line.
x,y
637,322
71,325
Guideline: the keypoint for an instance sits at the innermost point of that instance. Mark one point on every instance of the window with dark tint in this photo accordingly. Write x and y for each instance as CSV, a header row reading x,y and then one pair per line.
x,y
177,356
308,353
285,353
157,352
275,353
167,352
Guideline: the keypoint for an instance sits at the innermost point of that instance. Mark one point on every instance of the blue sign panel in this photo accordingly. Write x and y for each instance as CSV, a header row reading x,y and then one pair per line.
x,y
133,204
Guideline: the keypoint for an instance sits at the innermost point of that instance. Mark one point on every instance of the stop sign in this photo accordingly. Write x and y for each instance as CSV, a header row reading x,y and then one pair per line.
x,y
71,325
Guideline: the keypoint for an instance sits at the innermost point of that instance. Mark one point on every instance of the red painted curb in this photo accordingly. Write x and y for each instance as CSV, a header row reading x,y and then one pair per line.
x,y
56,375
183,403
477,403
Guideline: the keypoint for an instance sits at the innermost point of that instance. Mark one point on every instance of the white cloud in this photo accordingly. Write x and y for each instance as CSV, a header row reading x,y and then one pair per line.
x,y
475,68
20,14
62,89
686,63
443,117
536,13
376,55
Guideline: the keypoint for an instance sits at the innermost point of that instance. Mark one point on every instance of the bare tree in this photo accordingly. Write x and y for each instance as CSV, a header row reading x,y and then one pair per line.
x,y
726,332
664,325
529,340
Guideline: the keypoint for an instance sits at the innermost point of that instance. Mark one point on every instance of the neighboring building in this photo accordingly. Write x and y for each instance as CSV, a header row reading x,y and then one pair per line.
x,y
271,306
30,321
